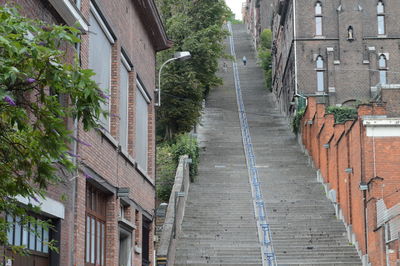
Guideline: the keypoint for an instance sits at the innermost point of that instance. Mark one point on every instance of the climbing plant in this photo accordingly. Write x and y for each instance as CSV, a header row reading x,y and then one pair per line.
x,y
342,113
34,138
265,57
168,155
296,121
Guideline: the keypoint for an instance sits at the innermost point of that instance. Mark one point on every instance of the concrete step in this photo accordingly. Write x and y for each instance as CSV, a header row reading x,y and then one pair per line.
x,y
219,227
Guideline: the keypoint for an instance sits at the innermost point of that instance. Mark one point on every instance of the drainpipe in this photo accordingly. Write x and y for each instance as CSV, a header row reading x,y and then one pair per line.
x,y
296,94
364,192
74,180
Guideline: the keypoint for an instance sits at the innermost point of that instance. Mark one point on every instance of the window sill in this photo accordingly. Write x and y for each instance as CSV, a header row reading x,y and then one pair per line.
x,y
127,157
144,174
108,137
319,37
126,224
70,14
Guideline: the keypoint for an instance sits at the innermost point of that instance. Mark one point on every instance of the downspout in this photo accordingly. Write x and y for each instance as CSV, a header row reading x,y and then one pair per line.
x,y
364,192
75,177
296,94
75,162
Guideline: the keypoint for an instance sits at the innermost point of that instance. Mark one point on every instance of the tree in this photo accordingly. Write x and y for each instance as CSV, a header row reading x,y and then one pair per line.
x,y
34,138
264,54
194,26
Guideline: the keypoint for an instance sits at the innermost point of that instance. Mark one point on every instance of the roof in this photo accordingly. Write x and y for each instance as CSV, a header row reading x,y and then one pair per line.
x,y
151,18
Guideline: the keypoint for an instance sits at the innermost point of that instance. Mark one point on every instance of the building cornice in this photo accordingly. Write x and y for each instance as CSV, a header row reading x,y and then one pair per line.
x,y
151,19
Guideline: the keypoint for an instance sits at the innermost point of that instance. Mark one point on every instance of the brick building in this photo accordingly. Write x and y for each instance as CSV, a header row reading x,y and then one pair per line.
x,y
357,161
257,15
106,216
344,51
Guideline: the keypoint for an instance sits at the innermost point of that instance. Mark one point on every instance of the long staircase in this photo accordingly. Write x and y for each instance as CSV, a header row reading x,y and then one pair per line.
x,y
219,226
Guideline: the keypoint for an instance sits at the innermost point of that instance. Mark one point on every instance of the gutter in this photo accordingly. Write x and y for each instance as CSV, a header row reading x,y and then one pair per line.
x,y
296,94
75,183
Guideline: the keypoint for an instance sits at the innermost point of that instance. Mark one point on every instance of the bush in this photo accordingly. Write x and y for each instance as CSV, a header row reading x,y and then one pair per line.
x,y
296,121
266,39
168,154
342,113
187,145
166,168
265,57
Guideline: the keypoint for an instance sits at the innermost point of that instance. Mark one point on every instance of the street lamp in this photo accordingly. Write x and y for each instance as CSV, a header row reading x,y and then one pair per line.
x,y
178,55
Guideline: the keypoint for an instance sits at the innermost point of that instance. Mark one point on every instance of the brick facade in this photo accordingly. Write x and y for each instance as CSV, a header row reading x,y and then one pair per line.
x,y
138,34
354,153
350,61
257,15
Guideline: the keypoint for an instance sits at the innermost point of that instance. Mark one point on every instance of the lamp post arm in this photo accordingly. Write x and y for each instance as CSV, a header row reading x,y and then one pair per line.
x,y
159,78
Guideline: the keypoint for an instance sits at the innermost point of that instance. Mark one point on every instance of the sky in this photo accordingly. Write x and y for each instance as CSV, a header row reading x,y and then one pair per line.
x,y
236,7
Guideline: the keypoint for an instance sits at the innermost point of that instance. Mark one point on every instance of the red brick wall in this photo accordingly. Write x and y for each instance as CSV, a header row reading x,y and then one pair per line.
x,y
103,156
368,157
325,135
37,9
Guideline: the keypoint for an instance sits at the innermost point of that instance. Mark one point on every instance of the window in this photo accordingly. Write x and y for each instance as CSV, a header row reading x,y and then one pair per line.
x,y
320,74
123,106
142,102
95,226
318,19
146,228
318,8
100,59
380,10
32,236
125,246
350,33
382,69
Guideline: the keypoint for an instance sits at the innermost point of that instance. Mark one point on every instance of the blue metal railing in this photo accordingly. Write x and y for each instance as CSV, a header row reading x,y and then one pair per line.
x,y
264,233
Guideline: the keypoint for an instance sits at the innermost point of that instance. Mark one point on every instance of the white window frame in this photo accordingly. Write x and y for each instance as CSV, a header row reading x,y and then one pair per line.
x,y
318,20
320,73
381,18
143,93
383,69
128,68
70,13
109,36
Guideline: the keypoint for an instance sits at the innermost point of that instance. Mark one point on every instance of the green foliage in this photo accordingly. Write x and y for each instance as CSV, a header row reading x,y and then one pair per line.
x,y
187,145
168,154
34,139
194,26
265,57
166,168
296,121
232,19
342,113
266,39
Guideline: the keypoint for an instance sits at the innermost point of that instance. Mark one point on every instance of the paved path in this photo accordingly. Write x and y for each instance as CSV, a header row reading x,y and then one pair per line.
x,y
219,227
